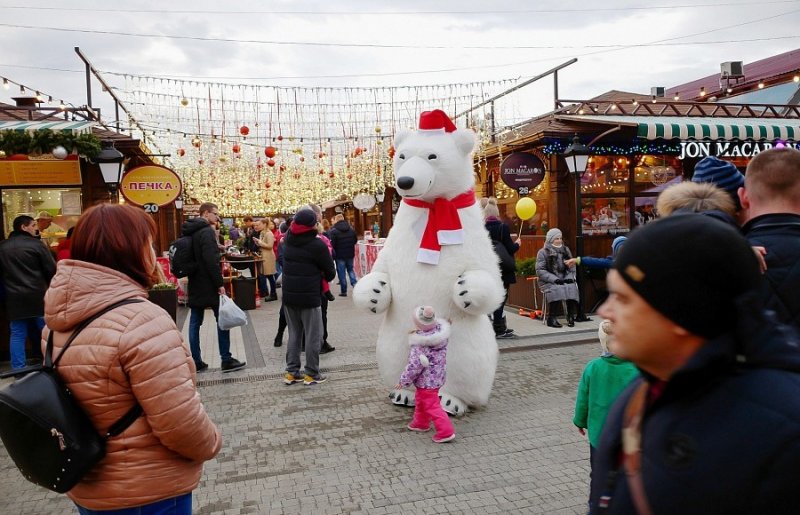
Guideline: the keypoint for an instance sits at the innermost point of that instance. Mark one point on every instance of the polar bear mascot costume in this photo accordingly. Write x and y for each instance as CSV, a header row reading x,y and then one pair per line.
x,y
438,253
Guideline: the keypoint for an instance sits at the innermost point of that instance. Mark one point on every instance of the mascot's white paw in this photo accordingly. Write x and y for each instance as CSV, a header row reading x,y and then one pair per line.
x,y
453,405
402,397
372,292
476,292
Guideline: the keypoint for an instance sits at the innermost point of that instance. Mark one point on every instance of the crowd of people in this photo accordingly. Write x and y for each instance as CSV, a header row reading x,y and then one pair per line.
x,y
692,406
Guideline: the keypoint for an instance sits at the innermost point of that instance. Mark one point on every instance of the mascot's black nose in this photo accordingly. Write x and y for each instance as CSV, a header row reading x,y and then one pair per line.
x,y
405,183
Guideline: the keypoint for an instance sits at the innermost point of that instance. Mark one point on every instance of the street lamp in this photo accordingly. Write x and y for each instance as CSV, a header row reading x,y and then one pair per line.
x,y
111,162
577,156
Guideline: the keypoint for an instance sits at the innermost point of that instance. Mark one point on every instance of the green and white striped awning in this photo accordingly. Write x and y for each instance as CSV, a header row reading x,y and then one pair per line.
x,y
677,127
79,127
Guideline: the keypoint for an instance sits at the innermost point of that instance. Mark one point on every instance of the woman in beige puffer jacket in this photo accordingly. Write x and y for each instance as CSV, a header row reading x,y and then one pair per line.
x,y
133,353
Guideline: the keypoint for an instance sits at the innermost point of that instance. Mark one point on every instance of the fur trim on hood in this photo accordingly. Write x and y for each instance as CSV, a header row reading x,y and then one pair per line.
x,y
432,338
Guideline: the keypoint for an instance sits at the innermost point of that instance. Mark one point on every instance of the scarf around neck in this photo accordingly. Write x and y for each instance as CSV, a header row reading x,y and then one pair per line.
x,y
444,225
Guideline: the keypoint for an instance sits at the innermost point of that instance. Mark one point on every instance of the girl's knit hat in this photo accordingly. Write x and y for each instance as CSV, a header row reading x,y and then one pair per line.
x,y
424,318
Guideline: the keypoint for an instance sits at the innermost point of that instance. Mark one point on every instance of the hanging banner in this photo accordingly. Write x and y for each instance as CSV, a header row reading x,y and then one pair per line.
x,y
150,184
40,172
522,171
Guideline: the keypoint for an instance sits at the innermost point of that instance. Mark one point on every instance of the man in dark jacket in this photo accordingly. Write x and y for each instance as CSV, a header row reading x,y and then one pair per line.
x,y
343,240
27,267
713,425
306,261
771,205
206,286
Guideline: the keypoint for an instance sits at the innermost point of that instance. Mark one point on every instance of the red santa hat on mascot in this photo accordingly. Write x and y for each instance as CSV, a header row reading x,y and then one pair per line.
x,y
436,120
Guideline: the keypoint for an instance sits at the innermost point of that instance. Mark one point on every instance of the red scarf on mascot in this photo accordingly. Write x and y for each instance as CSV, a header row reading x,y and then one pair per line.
x,y
443,227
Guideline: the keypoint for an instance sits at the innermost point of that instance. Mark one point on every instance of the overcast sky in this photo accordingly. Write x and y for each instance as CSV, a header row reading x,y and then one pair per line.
x,y
551,32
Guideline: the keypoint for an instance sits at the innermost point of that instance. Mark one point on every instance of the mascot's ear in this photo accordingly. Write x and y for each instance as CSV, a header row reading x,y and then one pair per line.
x,y
401,136
465,140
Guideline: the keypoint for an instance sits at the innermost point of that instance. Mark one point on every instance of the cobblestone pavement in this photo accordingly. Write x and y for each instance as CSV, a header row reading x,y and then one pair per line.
x,y
341,447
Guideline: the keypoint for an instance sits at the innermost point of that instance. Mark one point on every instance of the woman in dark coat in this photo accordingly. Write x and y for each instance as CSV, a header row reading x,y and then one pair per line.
x,y
505,248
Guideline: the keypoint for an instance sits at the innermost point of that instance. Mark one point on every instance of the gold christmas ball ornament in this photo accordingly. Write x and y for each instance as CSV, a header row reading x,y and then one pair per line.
x,y
377,130
184,101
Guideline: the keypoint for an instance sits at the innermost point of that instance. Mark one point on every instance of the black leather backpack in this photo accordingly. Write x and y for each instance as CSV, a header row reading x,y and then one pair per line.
x,y
44,429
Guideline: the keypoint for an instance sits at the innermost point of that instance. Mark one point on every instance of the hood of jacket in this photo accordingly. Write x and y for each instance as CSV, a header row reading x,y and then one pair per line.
x,y
432,338
80,289
757,341
298,240
343,226
193,225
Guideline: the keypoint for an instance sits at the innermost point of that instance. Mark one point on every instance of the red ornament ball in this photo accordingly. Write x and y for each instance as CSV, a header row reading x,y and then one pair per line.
x,y
270,162
181,152
280,138
244,130
236,148
269,151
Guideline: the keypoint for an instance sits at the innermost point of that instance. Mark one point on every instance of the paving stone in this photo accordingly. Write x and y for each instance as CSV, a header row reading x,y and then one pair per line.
x,y
342,447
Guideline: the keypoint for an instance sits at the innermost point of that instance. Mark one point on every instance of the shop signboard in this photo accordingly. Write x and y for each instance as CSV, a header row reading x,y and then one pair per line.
x,y
40,172
522,172
150,184
701,149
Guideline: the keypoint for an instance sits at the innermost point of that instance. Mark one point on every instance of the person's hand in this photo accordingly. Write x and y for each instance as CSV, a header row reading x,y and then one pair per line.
x,y
559,281
571,261
221,290
760,253
582,431
569,281
398,386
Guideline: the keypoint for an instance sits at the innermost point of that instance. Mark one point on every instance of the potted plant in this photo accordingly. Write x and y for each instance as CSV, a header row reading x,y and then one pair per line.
x,y
165,294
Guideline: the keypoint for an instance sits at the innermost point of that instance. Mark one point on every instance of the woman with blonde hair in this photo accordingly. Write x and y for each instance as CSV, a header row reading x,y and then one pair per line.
x,y
266,272
132,354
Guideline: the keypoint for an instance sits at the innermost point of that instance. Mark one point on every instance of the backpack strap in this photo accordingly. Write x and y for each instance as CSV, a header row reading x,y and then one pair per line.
x,y
136,411
49,350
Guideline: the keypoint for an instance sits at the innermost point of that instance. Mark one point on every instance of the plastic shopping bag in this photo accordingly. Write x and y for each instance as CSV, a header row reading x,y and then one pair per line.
x,y
230,315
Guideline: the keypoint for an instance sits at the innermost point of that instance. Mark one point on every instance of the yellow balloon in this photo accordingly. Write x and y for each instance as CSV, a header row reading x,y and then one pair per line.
x,y
525,208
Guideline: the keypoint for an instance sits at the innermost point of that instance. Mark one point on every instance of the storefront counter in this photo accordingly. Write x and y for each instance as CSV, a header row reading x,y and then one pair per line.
x,y
366,254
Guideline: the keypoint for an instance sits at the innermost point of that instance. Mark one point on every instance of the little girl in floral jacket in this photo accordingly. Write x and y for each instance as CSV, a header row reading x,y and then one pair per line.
x,y
427,361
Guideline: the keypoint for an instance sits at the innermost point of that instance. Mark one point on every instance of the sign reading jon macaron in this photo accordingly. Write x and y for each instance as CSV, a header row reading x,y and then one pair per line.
x,y
522,171
151,186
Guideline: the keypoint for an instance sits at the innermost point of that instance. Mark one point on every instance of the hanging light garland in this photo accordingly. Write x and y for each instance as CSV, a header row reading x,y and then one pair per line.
x,y
262,149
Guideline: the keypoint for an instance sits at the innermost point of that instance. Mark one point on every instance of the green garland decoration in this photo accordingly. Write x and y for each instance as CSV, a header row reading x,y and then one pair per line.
x,y
44,141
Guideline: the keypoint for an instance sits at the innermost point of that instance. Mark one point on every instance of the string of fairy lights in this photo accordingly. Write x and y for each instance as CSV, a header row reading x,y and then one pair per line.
x,y
258,150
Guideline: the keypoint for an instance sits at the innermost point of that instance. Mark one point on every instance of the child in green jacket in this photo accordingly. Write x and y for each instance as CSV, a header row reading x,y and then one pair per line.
x,y
602,381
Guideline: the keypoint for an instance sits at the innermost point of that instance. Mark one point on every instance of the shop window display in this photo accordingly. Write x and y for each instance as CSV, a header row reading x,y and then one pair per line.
x,y
644,210
605,215
606,174
63,204
653,174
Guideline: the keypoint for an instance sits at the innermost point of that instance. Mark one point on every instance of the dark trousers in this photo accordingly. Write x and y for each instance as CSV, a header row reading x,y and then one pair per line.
x,y
281,324
324,307
498,317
